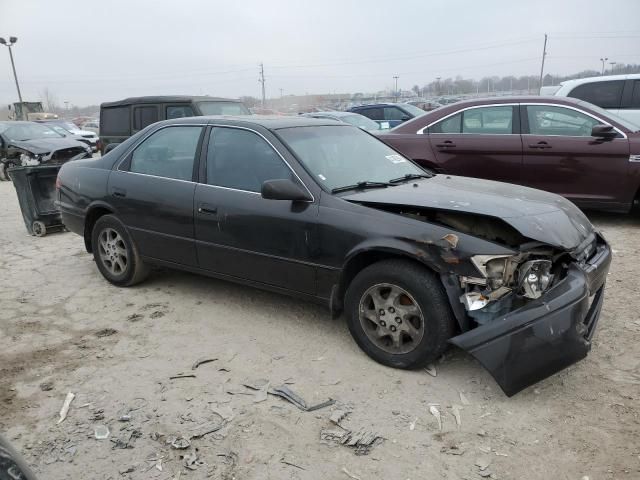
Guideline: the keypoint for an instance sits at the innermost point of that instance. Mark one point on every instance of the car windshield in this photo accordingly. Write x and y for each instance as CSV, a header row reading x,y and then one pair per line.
x,y
68,126
28,131
361,121
59,129
413,110
339,156
612,116
223,108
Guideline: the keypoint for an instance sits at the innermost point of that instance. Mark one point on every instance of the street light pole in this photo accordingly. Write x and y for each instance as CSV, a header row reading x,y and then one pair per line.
x,y
613,64
603,60
396,91
12,41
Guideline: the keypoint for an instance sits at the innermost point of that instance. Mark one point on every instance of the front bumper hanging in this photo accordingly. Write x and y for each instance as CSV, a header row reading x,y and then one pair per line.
x,y
546,335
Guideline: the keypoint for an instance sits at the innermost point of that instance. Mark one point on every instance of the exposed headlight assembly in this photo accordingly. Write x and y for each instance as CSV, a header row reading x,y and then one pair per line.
x,y
534,278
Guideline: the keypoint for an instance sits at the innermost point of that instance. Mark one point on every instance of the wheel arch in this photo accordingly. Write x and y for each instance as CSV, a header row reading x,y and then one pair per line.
x,y
365,255
94,212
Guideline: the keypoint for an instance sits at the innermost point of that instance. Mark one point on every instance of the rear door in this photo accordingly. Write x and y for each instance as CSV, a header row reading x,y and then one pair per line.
x,y
238,232
562,157
481,142
153,189
606,95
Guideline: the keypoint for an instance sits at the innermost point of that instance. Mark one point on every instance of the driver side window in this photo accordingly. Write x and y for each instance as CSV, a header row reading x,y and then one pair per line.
x,y
549,120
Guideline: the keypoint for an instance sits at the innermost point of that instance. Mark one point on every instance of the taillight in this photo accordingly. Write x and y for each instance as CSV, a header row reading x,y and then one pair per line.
x,y
58,183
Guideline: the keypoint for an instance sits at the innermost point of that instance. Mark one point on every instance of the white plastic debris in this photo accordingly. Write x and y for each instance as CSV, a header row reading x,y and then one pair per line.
x,y
101,432
455,411
65,407
436,413
431,370
349,474
412,425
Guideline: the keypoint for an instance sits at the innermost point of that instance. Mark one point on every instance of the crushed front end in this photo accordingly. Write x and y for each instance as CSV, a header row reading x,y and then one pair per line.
x,y
535,311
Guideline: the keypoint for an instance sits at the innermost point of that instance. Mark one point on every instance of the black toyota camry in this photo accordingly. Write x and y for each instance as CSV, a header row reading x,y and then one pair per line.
x,y
325,211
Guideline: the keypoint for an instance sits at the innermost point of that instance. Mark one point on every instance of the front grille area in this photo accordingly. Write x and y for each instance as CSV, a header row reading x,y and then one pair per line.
x,y
66,153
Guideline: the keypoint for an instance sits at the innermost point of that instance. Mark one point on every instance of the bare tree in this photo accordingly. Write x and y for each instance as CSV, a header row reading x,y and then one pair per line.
x,y
49,100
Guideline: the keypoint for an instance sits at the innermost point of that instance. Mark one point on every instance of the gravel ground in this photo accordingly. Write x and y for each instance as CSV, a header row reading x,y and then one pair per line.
x,y
64,329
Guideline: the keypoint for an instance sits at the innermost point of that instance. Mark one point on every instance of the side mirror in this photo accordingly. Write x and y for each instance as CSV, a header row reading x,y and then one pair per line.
x,y
284,189
110,147
605,132
404,118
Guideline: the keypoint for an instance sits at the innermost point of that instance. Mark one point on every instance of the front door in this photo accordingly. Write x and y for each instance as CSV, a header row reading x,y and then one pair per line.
x,y
562,157
480,142
152,192
238,232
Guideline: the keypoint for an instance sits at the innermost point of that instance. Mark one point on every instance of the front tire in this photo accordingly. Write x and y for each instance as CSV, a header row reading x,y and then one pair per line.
x,y
399,314
115,253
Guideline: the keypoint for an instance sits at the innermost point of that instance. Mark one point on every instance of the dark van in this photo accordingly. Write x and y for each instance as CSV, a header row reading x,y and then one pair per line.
x,y
119,120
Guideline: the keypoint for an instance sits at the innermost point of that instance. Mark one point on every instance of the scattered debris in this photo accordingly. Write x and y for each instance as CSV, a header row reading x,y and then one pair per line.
x,y
412,425
436,413
191,460
97,415
64,411
261,387
500,454
157,314
101,432
106,332
179,443
431,370
124,444
202,361
464,400
452,450
134,317
125,418
206,429
46,386
225,412
337,416
291,464
455,411
362,441
289,395
481,433
330,383
180,375
483,463
349,474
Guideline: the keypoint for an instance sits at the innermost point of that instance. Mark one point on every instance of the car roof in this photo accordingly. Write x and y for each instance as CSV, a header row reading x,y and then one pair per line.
x,y
166,99
332,113
388,104
271,122
604,78
513,99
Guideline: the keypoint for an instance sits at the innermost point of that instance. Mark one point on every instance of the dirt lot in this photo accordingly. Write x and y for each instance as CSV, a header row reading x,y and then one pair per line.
x,y
64,329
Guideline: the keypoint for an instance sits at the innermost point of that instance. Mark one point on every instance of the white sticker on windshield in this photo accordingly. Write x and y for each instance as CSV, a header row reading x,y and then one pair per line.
x,y
395,158
322,177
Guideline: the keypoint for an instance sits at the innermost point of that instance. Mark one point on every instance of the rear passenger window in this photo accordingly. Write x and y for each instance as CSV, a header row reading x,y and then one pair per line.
x,y
115,121
178,111
449,125
169,152
242,160
488,120
635,99
393,113
144,116
602,94
372,113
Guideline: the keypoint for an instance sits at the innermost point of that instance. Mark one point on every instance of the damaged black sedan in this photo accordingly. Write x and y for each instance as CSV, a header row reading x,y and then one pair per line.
x,y
327,212
30,143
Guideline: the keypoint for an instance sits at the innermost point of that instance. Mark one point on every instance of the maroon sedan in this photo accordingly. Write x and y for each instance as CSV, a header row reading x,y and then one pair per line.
x,y
562,145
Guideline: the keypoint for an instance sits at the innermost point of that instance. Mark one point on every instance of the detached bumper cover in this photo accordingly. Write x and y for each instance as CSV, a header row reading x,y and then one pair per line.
x,y
548,334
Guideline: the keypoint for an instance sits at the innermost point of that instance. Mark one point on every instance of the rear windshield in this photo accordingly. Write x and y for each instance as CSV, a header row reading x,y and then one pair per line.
x,y
115,121
223,108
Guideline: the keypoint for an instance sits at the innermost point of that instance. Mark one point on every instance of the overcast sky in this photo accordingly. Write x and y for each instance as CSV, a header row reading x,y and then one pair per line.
x,y
87,52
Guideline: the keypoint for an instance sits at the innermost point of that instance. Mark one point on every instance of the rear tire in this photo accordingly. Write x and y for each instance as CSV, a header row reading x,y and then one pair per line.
x,y
398,313
115,253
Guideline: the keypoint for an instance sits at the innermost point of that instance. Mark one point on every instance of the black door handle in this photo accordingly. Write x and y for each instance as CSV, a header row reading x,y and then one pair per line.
x,y
542,144
446,144
207,209
119,192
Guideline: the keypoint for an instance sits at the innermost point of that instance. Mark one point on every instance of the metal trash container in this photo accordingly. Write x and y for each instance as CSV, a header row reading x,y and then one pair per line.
x,y
36,189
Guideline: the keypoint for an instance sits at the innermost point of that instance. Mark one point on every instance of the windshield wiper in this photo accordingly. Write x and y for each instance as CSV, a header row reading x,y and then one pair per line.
x,y
363,184
410,176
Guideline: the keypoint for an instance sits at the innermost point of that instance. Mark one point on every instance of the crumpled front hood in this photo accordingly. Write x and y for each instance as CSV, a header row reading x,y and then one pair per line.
x,y
46,145
538,215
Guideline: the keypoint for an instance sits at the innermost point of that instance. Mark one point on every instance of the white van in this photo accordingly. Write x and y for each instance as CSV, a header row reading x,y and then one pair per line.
x,y
620,94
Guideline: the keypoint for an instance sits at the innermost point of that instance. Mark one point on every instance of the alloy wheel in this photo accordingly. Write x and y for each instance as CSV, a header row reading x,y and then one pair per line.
x,y
113,251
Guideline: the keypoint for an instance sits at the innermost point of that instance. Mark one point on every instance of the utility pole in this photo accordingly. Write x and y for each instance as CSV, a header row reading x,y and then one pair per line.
x,y
12,41
603,60
544,54
281,94
396,91
261,80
